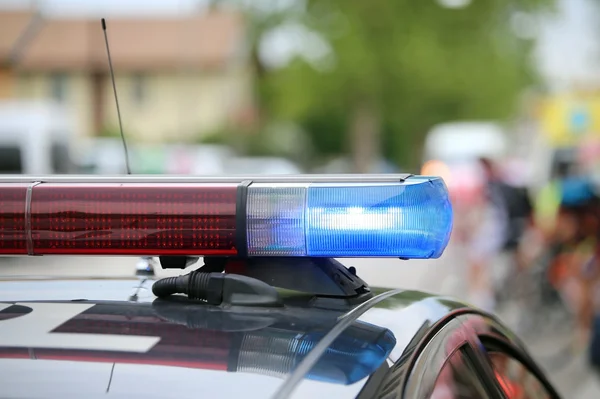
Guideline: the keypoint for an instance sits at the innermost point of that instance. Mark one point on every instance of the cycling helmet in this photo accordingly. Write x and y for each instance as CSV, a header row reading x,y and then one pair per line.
x,y
577,191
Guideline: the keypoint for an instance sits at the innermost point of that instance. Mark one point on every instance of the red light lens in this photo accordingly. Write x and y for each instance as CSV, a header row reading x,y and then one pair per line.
x,y
133,219
13,239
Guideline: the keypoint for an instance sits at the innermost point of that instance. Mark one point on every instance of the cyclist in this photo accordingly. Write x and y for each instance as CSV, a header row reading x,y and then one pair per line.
x,y
574,270
514,217
487,238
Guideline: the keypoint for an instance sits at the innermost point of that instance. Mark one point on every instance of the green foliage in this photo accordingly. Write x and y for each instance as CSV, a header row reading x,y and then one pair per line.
x,y
221,137
110,132
251,142
415,62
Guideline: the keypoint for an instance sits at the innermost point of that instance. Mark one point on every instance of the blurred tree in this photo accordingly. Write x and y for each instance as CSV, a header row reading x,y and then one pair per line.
x,y
393,68
110,132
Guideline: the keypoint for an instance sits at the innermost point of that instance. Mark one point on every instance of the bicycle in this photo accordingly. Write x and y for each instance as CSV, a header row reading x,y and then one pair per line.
x,y
543,314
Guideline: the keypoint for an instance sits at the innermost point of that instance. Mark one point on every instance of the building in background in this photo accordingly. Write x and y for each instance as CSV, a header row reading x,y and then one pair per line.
x,y
15,28
177,77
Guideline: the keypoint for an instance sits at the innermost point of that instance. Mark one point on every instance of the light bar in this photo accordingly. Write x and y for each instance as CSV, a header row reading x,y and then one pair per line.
x,y
13,198
318,216
117,219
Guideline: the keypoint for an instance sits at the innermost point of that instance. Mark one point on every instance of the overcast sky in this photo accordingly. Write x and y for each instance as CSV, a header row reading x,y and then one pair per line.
x,y
569,45
568,50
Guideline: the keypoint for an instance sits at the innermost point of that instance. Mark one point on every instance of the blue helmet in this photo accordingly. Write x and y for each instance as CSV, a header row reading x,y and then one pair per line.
x,y
576,191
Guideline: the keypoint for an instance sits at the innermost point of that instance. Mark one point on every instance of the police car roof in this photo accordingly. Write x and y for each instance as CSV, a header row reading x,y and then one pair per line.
x,y
90,338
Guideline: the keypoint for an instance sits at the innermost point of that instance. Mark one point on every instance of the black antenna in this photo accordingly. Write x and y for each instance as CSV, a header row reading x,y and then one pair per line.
x,y
112,76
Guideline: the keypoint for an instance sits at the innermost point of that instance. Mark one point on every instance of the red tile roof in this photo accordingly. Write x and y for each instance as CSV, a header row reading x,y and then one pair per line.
x,y
196,41
13,24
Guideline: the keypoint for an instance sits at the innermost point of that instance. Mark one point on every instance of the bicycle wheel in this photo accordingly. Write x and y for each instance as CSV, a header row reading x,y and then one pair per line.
x,y
541,315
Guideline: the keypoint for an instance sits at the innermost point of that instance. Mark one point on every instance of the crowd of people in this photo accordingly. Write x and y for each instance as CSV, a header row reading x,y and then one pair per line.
x,y
514,227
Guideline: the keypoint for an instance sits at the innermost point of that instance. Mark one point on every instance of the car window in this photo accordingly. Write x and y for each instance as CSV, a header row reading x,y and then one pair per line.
x,y
458,380
11,160
516,380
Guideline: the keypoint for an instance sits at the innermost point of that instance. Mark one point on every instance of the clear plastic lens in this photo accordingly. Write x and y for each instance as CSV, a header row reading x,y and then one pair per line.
x,y
275,220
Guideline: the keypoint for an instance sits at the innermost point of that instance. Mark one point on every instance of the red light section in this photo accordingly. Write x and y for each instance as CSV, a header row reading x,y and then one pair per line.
x,y
13,239
133,219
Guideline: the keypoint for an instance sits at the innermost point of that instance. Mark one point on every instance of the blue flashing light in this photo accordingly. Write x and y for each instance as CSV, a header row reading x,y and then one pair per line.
x,y
410,219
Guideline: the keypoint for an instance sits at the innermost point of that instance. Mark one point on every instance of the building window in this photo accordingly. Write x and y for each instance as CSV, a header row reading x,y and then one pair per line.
x,y
138,88
58,87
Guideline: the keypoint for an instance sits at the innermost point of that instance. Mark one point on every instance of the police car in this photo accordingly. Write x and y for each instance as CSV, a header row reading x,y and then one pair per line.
x,y
270,313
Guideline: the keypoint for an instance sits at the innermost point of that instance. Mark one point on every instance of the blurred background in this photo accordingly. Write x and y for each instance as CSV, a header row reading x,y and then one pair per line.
x,y
339,86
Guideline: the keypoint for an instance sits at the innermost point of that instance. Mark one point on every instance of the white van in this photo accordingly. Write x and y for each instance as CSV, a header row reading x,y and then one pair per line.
x,y
460,142
35,138
452,150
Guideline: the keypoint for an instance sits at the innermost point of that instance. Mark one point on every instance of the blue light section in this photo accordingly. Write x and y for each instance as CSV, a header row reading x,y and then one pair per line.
x,y
409,220
275,220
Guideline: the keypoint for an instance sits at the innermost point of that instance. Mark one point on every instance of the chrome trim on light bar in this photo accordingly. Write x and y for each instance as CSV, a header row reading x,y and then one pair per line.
x,y
343,178
28,234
